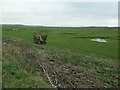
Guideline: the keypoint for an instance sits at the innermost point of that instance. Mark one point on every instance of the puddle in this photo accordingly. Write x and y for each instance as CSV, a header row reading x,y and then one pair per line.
x,y
15,29
99,40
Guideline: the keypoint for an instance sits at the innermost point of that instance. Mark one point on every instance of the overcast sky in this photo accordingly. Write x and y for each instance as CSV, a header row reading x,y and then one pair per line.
x,y
59,12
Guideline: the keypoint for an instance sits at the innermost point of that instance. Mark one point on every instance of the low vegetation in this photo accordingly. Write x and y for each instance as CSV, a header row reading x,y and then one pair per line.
x,y
63,62
17,73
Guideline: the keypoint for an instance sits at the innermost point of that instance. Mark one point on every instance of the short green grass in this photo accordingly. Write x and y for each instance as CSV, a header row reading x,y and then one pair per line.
x,y
16,72
17,76
76,51
16,67
58,39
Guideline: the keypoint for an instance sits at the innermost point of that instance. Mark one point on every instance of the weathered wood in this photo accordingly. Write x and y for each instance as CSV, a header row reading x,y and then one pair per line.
x,y
44,39
35,37
40,39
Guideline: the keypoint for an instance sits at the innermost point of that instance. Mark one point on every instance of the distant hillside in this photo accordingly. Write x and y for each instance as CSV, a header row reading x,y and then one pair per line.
x,y
56,26
12,24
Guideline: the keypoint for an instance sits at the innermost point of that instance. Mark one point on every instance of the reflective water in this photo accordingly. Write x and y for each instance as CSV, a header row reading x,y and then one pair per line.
x,y
15,29
99,40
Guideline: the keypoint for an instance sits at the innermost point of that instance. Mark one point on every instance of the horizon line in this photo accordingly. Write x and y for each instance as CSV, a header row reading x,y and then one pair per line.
x,y
44,25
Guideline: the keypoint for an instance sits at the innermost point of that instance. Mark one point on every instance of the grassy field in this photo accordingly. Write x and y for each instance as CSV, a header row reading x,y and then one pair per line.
x,y
95,62
64,38
17,73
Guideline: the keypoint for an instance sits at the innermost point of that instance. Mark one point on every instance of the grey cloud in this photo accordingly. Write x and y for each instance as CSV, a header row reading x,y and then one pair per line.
x,y
62,13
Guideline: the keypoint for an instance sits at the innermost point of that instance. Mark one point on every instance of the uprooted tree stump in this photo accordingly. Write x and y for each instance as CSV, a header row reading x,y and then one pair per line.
x,y
39,39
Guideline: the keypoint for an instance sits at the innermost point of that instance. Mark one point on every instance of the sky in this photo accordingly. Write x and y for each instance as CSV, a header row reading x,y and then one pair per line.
x,y
60,12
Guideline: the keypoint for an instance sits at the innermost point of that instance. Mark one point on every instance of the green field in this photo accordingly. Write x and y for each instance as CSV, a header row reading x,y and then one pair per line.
x,y
57,38
72,46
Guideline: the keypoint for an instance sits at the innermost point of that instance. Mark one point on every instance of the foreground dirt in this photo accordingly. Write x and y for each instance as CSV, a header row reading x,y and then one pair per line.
x,y
56,72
